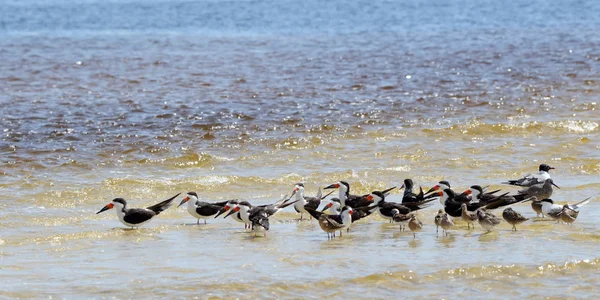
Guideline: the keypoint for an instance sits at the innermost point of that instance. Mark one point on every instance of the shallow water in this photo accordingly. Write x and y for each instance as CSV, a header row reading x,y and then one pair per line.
x,y
146,99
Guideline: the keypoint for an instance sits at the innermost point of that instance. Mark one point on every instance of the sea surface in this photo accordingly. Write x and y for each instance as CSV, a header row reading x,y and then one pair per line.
x,y
243,99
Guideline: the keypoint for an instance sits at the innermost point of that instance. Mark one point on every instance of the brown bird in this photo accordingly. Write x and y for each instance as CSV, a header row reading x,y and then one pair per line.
x,y
487,220
438,220
568,215
468,216
513,218
400,218
415,225
446,223
536,205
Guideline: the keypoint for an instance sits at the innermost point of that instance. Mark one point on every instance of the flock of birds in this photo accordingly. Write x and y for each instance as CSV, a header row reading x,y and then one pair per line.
x,y
473,205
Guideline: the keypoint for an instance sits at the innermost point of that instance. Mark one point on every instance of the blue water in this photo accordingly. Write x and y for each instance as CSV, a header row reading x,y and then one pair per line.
x,y
281,18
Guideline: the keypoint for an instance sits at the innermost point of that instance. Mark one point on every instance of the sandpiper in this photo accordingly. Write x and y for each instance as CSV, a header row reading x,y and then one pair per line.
x,y
487,220
468,216
438,220
513,218
446,223
415,225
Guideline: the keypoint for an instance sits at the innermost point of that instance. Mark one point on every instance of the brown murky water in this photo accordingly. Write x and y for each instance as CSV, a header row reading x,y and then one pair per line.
x,y
146,99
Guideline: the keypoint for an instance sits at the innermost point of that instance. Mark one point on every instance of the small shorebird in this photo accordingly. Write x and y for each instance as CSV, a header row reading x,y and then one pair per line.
x,y
332,223
513,218
136,217
199,209
400,218
487,220
438,220
446,223
536,205
415,225
531,179
556,211
468,216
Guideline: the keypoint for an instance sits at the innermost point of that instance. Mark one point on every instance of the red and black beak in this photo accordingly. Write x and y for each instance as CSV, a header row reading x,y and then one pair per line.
x,y
329,205
233,211
186,199
435,188
106,207
222,210
333,186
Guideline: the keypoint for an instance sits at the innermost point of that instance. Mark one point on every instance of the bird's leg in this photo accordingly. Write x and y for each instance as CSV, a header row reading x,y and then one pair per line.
x,y
414,235
198,222
204,221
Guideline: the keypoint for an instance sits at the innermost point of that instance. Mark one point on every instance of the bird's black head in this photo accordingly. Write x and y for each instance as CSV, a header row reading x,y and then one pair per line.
x,y
245,203
408,183
120,200
477,188
300,184
193,194
346,184
548,200
445,183
545,167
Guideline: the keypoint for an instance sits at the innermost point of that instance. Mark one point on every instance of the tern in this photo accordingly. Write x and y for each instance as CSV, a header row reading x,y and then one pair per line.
x,y
531,179
136,217
555,211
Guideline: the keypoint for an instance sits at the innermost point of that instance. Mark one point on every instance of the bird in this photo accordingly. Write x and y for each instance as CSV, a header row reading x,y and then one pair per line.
x,y
536,205
414,224
199,209
229,205
400,218
468,216
438,220
531,179
487,220
358,212
555,211
257,217
541,190
304,201
136,217
453,207
409,195
334,222
513,218
478,195
351,200
446,223
385,208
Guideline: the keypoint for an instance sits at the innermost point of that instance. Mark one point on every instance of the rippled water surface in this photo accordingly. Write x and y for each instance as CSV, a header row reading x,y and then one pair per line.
x,y
242,99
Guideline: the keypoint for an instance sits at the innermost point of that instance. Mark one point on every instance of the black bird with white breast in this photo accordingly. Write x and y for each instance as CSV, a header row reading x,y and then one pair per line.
x,y
136,217
346,199
385,208
200,209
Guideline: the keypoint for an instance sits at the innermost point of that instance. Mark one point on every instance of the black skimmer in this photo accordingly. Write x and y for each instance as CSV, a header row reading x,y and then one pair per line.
x,y
385,208
550,209
410,196
487,220
478,195
247,211
442,185
400,218
358,213
304,201
438,220
513,218
351,200
531,179
229,205
136,217
446,223
199,209
415,225
453,207
468,216
332,223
